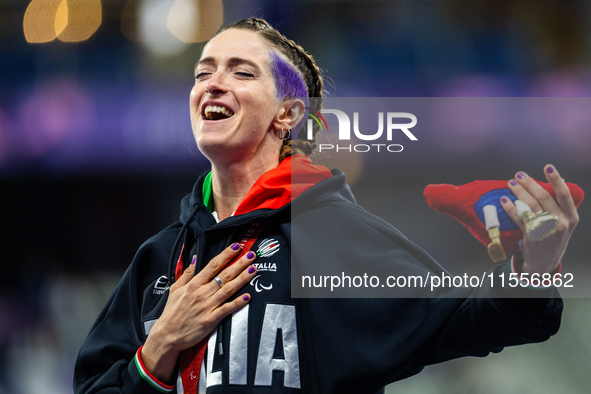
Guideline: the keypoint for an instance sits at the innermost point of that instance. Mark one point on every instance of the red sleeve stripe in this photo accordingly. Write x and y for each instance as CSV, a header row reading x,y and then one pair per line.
x,y
158,385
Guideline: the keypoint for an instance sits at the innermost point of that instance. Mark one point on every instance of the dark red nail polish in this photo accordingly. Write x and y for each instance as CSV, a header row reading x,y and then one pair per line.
x,y
246,297
513,182
520,175
550,169
251,270
504,200
236,246
250,255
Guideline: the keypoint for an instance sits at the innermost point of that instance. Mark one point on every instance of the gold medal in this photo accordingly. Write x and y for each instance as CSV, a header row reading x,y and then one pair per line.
x,y
539,226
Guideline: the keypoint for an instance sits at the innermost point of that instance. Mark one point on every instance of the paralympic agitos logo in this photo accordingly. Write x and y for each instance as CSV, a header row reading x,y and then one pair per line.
x,y
395,122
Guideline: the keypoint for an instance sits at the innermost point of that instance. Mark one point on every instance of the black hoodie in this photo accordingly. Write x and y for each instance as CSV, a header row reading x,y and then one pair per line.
x,y
280,344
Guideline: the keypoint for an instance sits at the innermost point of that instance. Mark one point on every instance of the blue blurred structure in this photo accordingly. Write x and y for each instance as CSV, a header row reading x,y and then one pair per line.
x,y
109,104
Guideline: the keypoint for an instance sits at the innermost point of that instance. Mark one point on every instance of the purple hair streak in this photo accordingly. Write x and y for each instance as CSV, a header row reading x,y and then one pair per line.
x,y
288,82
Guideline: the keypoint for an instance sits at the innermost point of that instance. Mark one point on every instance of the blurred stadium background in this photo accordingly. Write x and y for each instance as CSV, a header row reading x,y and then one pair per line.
x,y
96,151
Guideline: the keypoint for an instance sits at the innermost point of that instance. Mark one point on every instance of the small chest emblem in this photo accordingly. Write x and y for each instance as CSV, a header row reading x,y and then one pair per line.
x,y
258,286
161,285
268,247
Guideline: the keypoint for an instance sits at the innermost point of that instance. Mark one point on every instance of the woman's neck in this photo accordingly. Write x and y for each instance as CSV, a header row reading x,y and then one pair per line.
x,y
231,183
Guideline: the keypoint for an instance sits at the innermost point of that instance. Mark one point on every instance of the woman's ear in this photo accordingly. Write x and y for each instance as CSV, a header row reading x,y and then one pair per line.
x,y
290,114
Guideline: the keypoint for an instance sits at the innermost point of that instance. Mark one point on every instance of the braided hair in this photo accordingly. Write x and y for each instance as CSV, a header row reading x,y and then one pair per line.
x,y
305,65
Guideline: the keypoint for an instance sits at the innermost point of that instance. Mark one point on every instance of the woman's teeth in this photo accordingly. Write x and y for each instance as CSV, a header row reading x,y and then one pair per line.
x,y
214,112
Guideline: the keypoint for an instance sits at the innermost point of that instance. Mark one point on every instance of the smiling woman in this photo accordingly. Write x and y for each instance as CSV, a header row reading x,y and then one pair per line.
x,y
183,316
234,76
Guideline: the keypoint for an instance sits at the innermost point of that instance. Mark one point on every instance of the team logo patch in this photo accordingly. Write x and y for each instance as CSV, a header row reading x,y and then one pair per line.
x,y
268,247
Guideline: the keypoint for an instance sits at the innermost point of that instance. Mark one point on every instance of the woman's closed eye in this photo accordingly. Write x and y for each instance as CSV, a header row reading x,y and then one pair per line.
x,y
202,75
244,74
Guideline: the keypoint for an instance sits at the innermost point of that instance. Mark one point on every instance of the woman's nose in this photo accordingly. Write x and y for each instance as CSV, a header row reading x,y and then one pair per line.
x,y
215,84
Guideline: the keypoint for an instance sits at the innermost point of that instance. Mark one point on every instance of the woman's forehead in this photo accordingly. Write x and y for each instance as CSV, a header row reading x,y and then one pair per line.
x,y
237,43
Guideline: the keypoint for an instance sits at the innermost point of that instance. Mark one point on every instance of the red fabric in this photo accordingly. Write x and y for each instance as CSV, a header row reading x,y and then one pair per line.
x,y
281,185
190,361
179,265
458,202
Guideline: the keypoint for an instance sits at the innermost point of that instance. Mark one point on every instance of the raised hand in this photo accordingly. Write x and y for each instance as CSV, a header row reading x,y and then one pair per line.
x,y
543,256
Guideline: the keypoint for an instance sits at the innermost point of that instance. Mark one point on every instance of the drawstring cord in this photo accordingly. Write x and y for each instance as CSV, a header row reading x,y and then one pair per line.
x,y
182,233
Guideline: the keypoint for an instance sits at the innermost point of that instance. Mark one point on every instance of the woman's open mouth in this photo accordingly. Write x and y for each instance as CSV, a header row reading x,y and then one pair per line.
x,y
216,112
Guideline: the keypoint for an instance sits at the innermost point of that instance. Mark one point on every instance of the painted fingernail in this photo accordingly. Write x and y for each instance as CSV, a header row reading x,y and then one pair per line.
x,y
251,270
235,246
250,255
550,169
194,260
505,200
520,175
246,297
513,182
